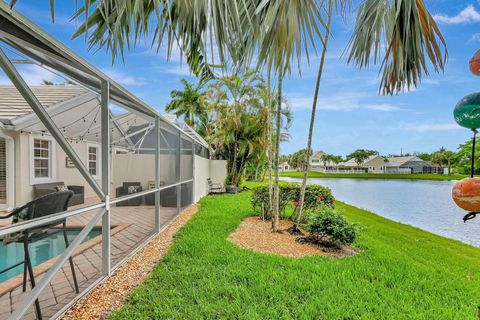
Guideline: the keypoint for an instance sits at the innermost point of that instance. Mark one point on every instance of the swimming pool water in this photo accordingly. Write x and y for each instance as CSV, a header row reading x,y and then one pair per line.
x,y
40,251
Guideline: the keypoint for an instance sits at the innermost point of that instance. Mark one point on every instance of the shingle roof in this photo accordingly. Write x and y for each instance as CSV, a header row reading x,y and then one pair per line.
x,y
12,104
398,161
352,163
317,155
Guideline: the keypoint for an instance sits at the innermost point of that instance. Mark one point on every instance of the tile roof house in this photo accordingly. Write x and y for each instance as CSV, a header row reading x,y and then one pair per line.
x,y
411,164
373,164
12,104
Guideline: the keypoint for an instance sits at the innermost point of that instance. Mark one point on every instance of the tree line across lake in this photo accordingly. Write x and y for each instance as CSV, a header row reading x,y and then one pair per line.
x,y
458,161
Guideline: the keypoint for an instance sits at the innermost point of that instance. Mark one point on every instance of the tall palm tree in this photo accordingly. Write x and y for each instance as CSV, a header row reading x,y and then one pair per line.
x,y
411,36
189,102
276,188
298,213
276,31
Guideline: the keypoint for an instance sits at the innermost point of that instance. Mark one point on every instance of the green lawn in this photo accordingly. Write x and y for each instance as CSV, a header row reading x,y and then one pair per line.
x,y
401,273
375,176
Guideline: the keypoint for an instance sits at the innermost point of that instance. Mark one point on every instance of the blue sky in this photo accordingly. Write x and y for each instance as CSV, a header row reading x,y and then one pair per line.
x,y
351,115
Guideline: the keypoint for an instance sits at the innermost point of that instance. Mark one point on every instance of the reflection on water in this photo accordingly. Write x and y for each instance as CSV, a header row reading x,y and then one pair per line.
x,y
421,203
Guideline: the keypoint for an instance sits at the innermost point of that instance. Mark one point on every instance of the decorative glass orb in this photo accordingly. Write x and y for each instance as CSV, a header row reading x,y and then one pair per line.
x,y
467,111
466,194
475,63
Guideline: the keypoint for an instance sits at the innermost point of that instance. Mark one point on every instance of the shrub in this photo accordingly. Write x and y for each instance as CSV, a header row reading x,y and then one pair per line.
x,y
316,196
326,225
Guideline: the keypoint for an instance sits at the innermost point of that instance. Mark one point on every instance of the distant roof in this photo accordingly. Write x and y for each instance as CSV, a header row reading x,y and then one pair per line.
x,y
12,104
318,154
398,161
352,163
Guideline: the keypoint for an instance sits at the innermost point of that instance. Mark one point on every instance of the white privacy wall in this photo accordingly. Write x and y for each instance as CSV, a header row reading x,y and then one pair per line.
x,y
201,172
204,168
141,168
218,171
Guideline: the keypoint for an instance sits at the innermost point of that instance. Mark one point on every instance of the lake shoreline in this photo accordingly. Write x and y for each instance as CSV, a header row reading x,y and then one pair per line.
x,y
423,204
378,176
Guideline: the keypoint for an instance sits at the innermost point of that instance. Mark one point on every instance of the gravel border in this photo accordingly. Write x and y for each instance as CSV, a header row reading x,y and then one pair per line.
x,y
112,292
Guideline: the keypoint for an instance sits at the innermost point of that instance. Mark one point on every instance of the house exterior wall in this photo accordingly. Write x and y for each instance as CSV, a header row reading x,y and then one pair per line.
x,y
375,165
125,168
23,168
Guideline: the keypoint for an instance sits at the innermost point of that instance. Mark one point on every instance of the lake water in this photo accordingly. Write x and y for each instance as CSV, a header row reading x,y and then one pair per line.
x,y
421,203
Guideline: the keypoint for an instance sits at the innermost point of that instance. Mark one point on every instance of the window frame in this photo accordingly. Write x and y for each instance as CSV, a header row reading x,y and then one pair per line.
x,y
98,160
52,159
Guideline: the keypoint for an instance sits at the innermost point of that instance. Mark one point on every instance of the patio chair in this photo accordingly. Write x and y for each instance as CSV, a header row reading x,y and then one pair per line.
x,y
215,187
44,206
42,189
126,189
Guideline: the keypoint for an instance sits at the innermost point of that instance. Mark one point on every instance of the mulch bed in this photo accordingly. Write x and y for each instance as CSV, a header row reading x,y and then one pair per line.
x,y
112,293
255,234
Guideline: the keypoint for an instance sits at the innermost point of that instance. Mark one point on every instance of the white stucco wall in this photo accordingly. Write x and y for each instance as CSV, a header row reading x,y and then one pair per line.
x,y
23,168
125,168
134,168
202,172
218,171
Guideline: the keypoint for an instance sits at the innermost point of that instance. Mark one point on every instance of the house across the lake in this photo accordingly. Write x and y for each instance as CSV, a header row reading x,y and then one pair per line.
x,y
318,164
375,164
411,164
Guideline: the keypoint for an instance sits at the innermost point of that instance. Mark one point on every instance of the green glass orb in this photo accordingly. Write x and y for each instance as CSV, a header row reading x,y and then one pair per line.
x,y
467,111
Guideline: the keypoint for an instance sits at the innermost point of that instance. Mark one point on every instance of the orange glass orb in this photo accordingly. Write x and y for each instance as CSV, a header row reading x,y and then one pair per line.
x,y
466,194
475,63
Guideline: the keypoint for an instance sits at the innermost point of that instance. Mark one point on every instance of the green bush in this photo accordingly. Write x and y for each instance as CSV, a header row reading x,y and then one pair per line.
x,y
326,225
316,196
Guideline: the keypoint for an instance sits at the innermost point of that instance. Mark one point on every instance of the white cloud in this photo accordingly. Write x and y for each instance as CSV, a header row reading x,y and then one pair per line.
x,y
124,79
467,15
33,75
181,70
475,38
342,102
425,127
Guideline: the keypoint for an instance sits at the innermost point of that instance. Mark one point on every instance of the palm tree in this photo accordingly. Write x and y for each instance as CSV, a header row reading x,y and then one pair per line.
x,y
444,157
278,30
337,160
298,214
239,121
189,102
326,158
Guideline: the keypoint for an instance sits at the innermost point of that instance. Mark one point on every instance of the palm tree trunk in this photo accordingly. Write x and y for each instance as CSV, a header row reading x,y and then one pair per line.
x,y
276,202
269,137
298,215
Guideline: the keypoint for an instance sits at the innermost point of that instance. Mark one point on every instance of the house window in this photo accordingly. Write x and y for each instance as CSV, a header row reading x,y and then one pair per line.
x,y
42,158
93,163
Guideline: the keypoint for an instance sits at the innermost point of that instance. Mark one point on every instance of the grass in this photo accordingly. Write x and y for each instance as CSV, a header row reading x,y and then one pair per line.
x,y
424,176
401,273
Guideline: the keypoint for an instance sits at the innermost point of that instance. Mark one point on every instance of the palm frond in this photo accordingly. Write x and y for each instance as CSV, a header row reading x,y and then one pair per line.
x,y
406,34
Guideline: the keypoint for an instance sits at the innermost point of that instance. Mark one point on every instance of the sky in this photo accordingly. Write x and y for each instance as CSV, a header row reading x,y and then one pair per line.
x,y
351,114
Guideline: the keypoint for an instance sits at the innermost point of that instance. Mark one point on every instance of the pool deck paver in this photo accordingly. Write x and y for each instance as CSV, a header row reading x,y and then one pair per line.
x,y
137,225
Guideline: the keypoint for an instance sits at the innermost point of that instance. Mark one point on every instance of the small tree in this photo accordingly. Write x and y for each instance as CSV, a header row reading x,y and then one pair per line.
x,y
361,155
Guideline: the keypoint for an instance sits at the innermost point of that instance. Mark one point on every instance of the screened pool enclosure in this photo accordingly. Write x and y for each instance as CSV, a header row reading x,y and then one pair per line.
x,y
129,169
